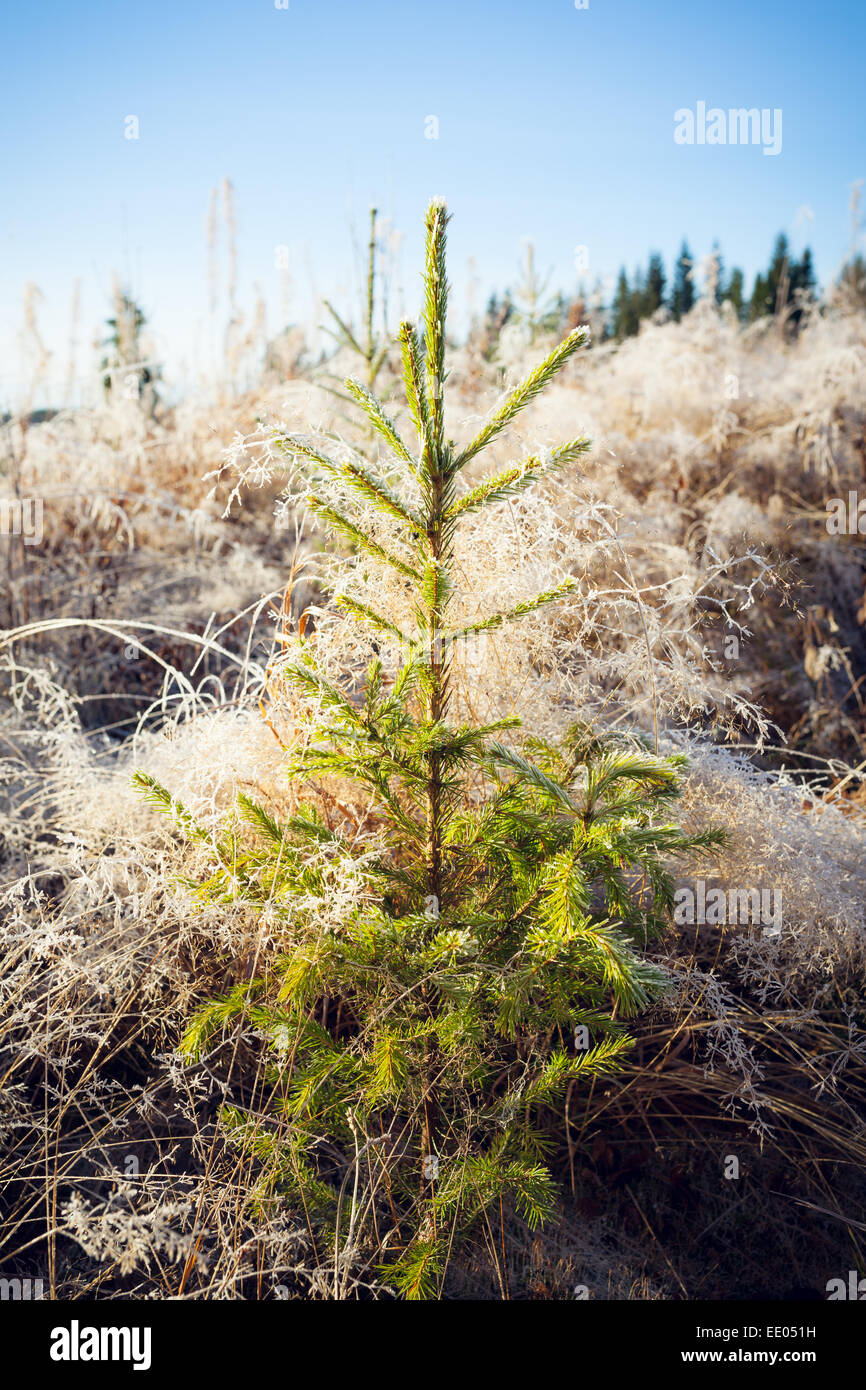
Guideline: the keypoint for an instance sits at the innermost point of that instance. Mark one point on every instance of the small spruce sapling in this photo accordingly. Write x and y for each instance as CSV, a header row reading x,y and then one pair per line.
x,y
372,351
421,1047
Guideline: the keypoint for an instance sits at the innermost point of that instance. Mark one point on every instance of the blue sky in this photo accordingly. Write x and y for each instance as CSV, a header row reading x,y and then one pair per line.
x,y
555,124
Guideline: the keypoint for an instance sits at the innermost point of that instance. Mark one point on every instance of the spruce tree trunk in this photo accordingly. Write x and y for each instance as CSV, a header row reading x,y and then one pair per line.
x,y
436,458
436,707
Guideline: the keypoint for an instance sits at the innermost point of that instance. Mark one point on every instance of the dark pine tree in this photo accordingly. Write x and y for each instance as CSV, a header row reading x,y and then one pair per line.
x,y
720,274
760,302
683,294
776,292
852,281
624,313
654,294
735,291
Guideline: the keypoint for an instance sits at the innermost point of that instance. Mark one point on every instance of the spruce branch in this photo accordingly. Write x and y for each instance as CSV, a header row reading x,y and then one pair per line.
x,y
364,481
354,475
520,610
501,756
413,381
511,481
345,336
521,396
162,800
374,410
367,615
353,532
292,444
435,309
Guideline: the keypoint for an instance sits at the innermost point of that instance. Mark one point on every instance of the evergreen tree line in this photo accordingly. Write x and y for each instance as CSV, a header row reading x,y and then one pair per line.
x,y
779,290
